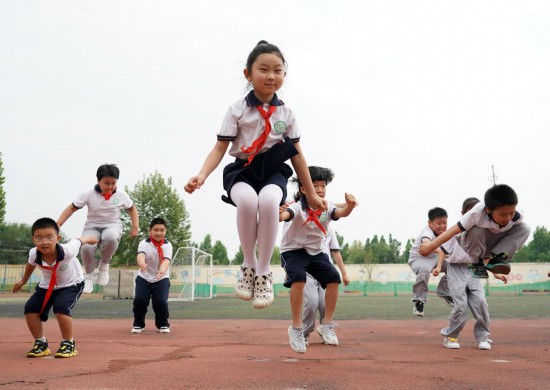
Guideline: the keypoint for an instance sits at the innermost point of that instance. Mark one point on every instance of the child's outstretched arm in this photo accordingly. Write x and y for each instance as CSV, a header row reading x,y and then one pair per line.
x,y
65,214
92,240
134,217
427,248
212,161
163,268
350,204
284,214
141,262
440,259
337,257
300,166
29,268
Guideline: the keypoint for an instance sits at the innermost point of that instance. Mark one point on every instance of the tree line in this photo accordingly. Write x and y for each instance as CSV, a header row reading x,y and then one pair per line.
x,y
155,196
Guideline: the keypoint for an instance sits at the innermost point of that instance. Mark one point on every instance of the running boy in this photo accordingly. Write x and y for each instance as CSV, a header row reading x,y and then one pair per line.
x,y
467,291
104,202
314,294
60,287
153,280
302,253
422,266
493,232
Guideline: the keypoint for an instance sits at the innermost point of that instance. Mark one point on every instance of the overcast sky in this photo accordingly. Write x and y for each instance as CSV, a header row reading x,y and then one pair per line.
x,y
409,102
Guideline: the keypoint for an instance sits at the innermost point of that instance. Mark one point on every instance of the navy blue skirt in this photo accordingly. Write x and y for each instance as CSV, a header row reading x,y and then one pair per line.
x,y
266,168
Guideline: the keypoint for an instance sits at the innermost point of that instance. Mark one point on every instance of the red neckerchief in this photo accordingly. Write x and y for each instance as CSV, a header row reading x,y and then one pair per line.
x,y
107,195
53,281
158,245
260,141
313,215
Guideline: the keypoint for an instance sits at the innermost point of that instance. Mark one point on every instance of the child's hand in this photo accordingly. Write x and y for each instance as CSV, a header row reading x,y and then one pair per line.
x,y
345,279
350,200
18,286
425,249
142,266
160,274
317,203
502,277
135,231
194,183
283,207
436,271
91,240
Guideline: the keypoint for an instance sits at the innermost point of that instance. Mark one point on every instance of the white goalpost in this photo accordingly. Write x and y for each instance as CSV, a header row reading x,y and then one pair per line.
x,y
191,275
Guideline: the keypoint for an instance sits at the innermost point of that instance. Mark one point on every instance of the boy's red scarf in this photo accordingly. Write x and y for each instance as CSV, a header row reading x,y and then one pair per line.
x,y
258,144
158,245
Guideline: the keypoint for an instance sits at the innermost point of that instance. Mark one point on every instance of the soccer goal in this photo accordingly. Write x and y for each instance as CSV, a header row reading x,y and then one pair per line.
x,y
191,275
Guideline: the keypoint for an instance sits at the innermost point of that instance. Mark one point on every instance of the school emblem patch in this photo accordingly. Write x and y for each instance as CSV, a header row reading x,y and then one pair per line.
x,y
279,127
323,217
63,267
116,201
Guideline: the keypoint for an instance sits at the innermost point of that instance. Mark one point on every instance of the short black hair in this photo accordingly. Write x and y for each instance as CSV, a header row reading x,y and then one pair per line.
x,y
107,170
157,221
317,174
436,212
500,195
44,223
468,204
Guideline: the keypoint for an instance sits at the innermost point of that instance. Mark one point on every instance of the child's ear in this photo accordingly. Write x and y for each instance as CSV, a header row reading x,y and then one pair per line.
x,y
247,74
302,190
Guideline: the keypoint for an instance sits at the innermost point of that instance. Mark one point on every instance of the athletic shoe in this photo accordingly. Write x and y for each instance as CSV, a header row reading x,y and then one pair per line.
x,y
418,309
498,264
39,349
485,344
164,329
88,283
245,285
306,339
451,343
326,331
478,270
136,329
66,349
103,275
449,301
297,341
263,291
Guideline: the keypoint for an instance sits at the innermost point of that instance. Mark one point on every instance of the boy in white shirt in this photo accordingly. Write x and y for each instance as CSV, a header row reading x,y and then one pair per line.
x,y
60,287
302,252
104,202
153,280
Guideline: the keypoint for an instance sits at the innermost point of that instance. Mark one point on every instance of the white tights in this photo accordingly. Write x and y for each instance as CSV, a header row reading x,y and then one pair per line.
x,y
257,223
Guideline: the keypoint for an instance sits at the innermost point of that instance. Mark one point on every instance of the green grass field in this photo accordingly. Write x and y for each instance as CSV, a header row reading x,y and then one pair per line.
x,y
349,308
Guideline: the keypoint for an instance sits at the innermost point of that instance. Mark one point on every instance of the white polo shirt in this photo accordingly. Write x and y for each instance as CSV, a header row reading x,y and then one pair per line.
x,y
428,233
296,235
103,213
69,271
243,124
331,242
152,259
477,216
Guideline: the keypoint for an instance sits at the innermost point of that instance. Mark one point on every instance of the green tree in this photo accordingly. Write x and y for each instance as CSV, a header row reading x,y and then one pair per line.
x,y
219,253
356,253
407,250
276,256
15,243
238,259
206,244
538,250
2,193
154,197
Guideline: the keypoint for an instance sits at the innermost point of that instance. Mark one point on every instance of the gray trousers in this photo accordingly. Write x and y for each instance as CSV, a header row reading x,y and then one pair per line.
x,y
481,243
467,292
422,268
314,299
108,244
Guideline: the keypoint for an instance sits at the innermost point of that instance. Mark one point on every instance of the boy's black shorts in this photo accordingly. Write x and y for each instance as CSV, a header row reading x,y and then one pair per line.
x,y
62,300
297,262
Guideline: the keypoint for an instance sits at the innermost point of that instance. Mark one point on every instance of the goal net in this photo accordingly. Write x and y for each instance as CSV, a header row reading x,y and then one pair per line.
x,y
190,275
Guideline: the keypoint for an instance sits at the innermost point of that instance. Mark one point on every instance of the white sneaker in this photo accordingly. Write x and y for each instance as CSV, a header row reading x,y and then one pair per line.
x,y
451,343
103,276
263,291
88,283
245,285
485,344
136,329
327,333
297,341
164,329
